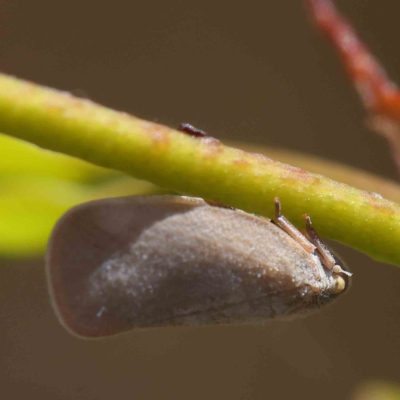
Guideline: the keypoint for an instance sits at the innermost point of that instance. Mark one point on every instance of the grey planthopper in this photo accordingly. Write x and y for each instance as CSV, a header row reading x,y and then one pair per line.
x,y
149,261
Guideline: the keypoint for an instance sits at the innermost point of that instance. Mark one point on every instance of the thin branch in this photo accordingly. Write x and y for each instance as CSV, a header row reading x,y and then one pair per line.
x,y
198,166
380,95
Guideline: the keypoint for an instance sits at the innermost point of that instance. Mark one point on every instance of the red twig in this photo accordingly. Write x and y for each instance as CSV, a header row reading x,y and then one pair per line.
x,y
381,97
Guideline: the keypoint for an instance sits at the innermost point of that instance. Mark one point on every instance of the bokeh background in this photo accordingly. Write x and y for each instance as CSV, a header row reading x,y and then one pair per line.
x,y
256,72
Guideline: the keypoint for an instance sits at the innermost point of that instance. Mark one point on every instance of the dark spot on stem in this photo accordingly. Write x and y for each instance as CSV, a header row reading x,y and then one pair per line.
x,y
191,130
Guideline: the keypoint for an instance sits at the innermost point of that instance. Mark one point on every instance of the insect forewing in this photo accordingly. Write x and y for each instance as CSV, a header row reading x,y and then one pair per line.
x,y
117,264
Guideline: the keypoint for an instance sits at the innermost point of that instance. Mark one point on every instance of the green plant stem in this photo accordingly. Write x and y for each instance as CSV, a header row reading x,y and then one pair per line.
x,y
199,167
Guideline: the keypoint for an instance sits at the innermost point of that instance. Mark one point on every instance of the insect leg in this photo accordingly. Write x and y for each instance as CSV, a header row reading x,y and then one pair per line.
x,y
290,229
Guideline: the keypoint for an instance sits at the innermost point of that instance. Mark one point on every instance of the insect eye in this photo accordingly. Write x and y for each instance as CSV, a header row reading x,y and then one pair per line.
x,y
339,284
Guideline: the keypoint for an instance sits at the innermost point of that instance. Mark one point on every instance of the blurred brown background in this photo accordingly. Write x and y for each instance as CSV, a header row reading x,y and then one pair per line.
x,y
256,71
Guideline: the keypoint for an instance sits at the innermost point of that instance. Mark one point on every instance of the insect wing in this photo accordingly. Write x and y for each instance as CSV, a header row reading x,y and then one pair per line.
x,y
117,264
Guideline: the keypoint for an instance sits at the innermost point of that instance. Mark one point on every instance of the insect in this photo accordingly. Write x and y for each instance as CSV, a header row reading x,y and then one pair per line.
x,y
191,130
145,261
